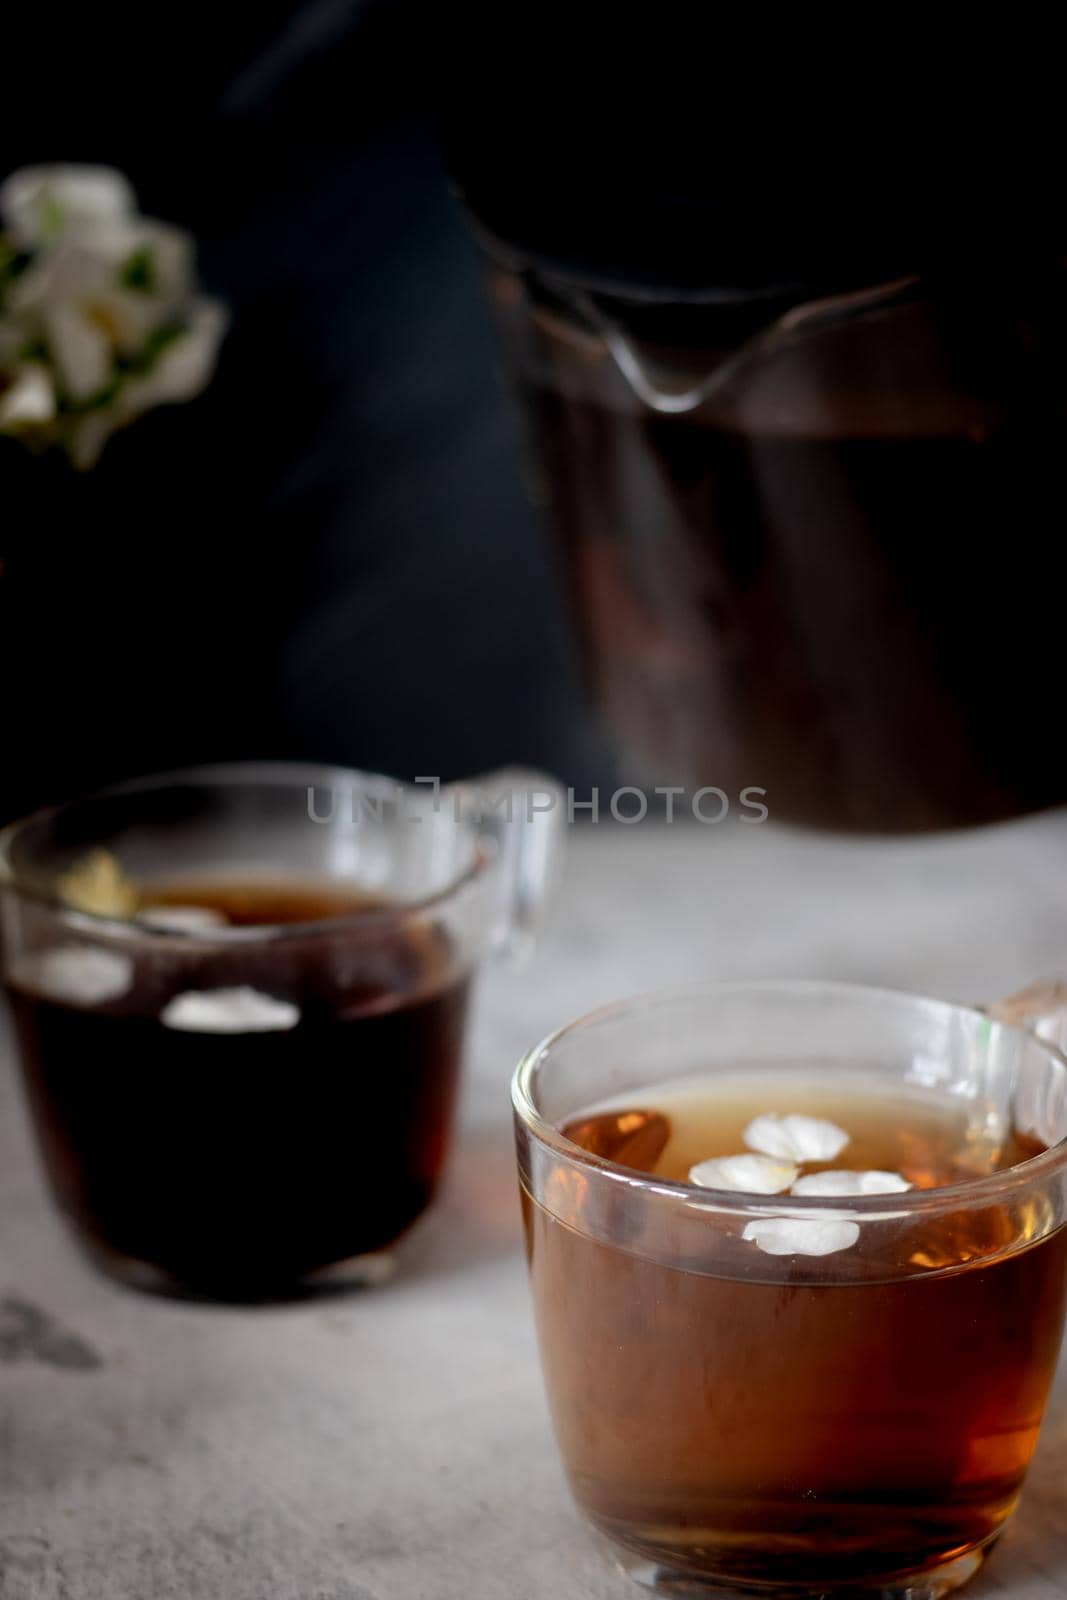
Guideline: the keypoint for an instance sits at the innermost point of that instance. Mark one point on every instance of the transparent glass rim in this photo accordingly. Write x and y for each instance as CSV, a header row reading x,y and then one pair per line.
x,y
280,774
1023,1175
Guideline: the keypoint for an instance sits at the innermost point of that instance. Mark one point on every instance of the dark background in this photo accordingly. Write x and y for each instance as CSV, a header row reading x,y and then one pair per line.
x,y
331,553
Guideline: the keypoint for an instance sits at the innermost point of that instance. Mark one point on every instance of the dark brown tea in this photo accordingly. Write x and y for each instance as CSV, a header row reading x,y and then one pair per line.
x,y
239,1115
779,1413
777,584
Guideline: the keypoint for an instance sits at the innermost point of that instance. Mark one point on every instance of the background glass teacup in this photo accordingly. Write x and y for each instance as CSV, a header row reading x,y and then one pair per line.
x,y
853,1406
240,995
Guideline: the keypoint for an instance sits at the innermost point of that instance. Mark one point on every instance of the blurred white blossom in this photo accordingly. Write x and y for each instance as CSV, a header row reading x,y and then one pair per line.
x,y
100,318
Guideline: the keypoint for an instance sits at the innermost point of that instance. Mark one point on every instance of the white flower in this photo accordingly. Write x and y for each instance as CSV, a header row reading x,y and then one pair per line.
x,y
185,365
745,1173
75,974
180,372
80,352
101,299
239,1010
847,1183
796,1138
801,1236
39,203
30,398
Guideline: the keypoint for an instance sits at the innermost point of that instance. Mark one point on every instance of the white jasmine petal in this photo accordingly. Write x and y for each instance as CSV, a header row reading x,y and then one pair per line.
x,y
182,919
184,367
748,1174
130,318
238,1010
78,349
801,1236
75,974
68,274
29,398
39,203
796,1137
89,436
845,1183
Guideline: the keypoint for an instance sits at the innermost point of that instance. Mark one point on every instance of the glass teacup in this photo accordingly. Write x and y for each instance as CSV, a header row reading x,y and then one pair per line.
x,y
833,1384
240,995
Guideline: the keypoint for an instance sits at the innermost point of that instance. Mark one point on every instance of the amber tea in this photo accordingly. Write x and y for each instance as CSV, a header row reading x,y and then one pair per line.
x,y
840,1381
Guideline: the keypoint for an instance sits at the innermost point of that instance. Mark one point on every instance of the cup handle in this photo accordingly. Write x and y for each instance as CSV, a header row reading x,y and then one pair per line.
x,y
520,818
1041,1008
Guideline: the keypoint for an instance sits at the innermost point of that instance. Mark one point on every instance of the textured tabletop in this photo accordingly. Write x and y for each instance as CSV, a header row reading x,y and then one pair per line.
x,y
394,1445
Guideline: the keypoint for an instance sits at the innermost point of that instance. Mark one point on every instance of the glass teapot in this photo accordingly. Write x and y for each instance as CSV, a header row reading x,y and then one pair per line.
x,y
811,519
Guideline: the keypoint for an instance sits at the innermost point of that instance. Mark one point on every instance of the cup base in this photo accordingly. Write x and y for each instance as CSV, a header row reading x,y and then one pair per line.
x,y
357,1272
663,1579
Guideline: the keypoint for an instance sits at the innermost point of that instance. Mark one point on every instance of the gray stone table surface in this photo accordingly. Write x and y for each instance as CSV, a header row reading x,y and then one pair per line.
x,y
394,1445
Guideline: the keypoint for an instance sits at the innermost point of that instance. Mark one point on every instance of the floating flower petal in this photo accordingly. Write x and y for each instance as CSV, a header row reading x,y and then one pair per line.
x,y
796,1138
850,1183
75,974
238,1010
745,1174
801,1236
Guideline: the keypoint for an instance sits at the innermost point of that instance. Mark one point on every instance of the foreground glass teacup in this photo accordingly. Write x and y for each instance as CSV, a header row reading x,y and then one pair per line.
x,y
838,1382
240,996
